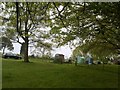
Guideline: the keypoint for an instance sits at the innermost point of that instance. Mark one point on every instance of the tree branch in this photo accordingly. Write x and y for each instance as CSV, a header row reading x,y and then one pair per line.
x,y
34,24
17,20
59,14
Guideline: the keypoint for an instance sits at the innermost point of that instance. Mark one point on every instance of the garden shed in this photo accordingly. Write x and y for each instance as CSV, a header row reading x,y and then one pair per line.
x,y
59,58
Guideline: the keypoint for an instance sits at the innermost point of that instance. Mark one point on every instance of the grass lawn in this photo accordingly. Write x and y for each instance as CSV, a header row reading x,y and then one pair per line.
x,y
42,74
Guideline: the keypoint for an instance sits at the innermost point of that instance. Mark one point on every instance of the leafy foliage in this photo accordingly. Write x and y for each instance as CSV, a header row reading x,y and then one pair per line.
x,y
6,43
95,24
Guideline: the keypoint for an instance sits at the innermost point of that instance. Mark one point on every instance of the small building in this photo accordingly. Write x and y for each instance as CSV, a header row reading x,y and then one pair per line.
x,y
89,60
80,60
59,58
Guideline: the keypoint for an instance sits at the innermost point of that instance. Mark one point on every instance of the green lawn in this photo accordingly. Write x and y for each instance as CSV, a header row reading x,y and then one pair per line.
x,y
42,74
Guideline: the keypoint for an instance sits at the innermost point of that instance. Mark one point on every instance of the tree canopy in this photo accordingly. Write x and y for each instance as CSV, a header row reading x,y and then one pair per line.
x,y
90,26
5,44
95,24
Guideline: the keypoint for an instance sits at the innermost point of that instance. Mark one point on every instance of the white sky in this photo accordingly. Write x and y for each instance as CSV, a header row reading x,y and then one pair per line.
x,y
62,50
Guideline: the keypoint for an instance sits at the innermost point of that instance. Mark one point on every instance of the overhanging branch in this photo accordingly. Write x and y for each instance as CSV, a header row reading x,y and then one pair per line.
x,y
59,13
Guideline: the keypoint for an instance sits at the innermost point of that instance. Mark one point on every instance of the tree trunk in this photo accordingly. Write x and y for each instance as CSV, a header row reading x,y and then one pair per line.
x,y
26,59
3,50
103,65
22,50
20,33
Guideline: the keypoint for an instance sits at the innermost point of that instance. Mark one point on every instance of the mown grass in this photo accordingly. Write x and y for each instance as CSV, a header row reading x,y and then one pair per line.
x,y
43,74
0,72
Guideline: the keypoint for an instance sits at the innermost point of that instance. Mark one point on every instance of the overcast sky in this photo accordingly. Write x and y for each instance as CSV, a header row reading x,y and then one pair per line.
x,y
62,50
